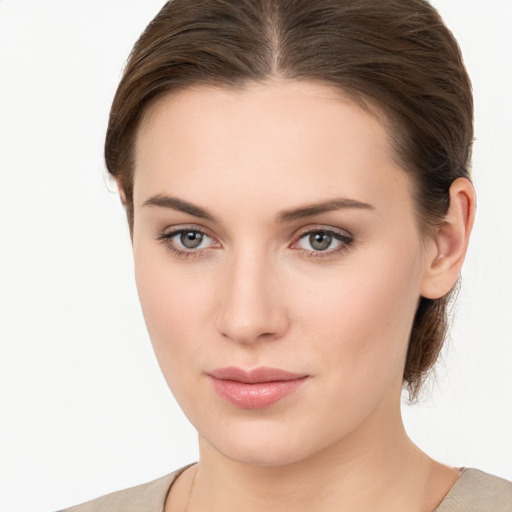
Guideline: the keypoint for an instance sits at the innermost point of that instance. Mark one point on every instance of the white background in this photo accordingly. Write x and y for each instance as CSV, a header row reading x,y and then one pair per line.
x,y
84,409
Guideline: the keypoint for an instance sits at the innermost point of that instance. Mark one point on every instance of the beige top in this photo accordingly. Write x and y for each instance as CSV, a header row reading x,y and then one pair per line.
x,y
474,491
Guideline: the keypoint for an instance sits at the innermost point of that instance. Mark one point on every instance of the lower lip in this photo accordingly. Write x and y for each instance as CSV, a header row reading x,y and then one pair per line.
x,y
258,395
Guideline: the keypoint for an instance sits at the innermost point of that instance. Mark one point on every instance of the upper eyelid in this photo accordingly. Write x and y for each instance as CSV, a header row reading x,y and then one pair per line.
x,y
324,229
167,234
343,237
173,231
298,234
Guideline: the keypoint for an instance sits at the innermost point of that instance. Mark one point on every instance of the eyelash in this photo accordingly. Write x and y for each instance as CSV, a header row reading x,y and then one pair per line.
x,y
166,239
345,242
345,239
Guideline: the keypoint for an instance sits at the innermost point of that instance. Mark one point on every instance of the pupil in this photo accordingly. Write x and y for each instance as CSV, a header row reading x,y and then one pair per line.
x,y
191,239
320,241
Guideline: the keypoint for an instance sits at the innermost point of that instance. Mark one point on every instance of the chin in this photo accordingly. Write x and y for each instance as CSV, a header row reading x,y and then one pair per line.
x,y
262,457
262,443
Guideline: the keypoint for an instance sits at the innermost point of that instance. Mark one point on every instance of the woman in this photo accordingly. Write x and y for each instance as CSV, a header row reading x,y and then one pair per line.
x,y
295,176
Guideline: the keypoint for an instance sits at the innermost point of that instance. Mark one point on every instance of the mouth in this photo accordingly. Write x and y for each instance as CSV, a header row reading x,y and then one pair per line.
x,y
255,389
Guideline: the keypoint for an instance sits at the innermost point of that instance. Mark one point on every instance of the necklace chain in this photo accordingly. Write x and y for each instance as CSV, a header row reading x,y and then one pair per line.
x,y
190,492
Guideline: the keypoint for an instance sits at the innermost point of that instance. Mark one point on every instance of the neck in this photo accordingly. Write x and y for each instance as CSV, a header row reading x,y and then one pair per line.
x,y
376,468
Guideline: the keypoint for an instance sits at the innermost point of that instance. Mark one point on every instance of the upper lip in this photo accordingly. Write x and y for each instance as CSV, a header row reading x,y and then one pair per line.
x,y
256,375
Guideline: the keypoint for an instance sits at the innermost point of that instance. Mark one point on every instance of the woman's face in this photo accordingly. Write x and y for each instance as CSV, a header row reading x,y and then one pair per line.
x,y
275,232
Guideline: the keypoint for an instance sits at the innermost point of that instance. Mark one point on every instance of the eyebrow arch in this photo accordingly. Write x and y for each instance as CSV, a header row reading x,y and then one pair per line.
x,y
283,217
318,208
180,205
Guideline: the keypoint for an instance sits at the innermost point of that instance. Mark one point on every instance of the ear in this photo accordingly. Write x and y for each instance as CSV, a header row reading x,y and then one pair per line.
x,y
447,248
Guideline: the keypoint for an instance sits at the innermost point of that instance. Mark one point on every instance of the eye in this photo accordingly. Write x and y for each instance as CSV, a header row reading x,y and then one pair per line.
x,y
324,241
187,242
190,239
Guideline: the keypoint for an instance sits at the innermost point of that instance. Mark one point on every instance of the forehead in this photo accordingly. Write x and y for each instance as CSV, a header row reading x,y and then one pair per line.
x,y
269,101
287,139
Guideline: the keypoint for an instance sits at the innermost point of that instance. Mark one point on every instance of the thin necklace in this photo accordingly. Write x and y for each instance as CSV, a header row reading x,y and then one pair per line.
x,y
190,492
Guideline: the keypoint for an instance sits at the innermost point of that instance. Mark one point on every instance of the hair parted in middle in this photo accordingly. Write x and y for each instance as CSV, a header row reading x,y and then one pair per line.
x,y
395,58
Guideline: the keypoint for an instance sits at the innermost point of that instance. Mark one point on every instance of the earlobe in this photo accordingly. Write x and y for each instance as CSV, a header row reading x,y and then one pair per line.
x,y
449,247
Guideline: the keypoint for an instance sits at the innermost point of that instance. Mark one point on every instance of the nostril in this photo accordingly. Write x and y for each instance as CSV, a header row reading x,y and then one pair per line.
x,y
250,308
247,328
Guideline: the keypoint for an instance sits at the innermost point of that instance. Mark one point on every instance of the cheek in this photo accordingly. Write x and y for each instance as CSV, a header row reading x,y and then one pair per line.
x,y
177,309
351,322
364,313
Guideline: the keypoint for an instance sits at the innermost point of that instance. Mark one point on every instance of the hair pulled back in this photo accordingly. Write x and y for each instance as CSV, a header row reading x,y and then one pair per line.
x,y
395,55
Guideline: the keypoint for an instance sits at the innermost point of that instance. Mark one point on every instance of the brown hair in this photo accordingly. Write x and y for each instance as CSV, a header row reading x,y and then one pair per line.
x,y
395,54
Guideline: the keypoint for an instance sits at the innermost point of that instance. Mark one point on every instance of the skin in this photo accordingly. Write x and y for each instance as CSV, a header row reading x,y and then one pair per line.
x,y
258,293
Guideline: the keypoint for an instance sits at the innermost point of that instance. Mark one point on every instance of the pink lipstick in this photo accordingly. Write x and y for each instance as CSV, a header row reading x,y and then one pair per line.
x,y
255,389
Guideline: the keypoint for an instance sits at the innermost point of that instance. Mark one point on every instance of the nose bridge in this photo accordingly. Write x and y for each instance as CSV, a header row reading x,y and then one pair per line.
x,y
250,305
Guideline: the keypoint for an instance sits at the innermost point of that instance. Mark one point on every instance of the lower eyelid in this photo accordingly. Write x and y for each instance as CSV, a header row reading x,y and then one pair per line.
x,y
344,239
341,237
166,238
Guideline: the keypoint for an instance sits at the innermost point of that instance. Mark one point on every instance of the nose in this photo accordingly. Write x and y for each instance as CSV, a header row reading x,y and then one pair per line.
x,y
251,305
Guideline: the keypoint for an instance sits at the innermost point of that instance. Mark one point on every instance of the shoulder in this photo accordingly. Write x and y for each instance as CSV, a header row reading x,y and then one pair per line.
x,y
477,491
148,497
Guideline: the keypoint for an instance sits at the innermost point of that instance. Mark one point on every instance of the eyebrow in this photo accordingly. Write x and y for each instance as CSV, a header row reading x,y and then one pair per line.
x,y
283,217
315,209
180,205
